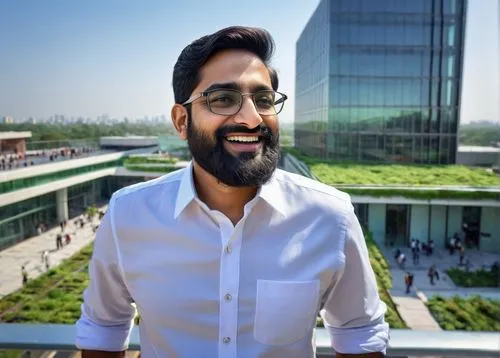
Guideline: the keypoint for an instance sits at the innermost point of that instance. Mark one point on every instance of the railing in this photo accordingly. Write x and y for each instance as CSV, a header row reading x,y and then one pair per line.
x,y
403,343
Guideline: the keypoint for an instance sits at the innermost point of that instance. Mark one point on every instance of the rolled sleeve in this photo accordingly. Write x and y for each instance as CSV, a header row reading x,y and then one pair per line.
x,y
353,312
107,312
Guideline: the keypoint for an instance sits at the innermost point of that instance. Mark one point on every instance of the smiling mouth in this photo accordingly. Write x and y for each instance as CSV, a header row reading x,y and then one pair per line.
x,y
243,139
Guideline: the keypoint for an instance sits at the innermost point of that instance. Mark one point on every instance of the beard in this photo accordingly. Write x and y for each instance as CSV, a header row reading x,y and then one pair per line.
x,y
248,169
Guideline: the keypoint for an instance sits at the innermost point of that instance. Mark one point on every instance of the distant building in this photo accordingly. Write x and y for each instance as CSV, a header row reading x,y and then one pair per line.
x,y
479,156
381,80
8,119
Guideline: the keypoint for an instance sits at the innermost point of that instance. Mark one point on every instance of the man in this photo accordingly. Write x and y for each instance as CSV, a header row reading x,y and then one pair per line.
x,y
230,257
408,281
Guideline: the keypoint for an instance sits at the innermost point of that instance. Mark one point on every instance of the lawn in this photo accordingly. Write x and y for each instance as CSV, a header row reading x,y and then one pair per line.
x,y
334,173
479,278
469,314
47,298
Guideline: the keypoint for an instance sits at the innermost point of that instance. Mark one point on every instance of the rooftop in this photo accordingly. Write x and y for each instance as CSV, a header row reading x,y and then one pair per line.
x,y
478,149
14,135
350,173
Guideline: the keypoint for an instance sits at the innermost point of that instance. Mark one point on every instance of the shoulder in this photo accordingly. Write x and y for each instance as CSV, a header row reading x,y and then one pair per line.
x,y
310,187
299,194
150,187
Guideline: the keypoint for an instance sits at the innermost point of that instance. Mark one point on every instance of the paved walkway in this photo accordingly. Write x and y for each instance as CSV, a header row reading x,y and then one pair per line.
x,y
29,254
412,306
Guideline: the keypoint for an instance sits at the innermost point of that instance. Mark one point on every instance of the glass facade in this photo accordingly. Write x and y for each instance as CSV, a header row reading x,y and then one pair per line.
x,y
19,221
380,80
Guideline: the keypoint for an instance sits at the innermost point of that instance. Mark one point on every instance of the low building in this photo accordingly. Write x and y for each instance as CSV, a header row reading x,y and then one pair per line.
x,y
395,214
128,142
479,156
14,142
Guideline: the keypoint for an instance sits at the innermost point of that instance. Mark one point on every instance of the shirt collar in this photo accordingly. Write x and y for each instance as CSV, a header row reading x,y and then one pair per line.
x,y
186,191
271,193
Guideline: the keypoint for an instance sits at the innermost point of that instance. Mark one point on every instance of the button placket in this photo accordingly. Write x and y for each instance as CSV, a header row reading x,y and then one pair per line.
x,y
229,282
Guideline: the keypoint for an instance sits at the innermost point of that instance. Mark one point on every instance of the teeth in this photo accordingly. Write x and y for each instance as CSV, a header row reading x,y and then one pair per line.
x,y
237,138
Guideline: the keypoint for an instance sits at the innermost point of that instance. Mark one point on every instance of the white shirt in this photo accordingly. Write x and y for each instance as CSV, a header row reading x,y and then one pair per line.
x,y
207,288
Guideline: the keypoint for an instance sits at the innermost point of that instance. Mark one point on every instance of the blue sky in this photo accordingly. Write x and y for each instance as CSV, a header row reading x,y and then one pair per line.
x,y
116,56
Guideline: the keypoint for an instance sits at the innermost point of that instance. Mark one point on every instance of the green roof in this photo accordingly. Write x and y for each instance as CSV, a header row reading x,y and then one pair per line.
x,y
343,173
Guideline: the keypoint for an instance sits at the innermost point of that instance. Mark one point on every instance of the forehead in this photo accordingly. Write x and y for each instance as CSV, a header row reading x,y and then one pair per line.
x,y
234,66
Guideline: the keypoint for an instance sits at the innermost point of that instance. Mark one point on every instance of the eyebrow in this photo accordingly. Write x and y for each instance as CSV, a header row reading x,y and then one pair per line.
x,y
235,86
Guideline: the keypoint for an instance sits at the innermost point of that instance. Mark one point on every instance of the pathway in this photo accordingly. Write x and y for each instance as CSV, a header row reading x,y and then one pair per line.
x,y
29,254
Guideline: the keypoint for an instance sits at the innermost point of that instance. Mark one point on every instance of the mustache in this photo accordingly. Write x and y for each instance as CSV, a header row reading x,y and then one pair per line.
x,y
261,129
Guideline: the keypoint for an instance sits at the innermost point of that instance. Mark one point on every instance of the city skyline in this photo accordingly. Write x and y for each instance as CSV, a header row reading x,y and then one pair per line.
x,y
116,58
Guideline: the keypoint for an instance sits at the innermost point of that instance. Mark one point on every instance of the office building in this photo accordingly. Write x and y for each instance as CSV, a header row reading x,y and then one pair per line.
x,y
380,81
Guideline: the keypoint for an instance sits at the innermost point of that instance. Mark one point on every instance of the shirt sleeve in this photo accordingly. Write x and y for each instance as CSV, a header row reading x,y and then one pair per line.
x,y
352,311
107,312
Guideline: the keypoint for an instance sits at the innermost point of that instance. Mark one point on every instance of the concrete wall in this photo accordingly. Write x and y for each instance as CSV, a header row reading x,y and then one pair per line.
x,y
419,222
490,223
376,222
438,224
62,204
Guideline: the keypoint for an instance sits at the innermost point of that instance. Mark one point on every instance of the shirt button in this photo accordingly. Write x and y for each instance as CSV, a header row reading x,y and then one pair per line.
x,y
229,249
228,297
226,340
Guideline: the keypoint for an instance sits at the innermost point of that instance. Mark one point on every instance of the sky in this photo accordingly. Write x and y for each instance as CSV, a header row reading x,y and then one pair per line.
x,y
94,57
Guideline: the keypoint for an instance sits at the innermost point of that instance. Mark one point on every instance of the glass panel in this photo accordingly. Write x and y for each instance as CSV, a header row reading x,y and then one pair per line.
x,y
449,7
344,91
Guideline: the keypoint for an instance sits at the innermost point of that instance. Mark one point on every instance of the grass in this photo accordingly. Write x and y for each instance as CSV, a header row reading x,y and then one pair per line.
x,y
468,314
29,295
334,173
479,278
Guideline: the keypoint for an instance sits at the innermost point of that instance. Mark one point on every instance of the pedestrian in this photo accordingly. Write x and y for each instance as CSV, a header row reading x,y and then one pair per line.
x,y
59,243
46,259
402,260
408,281
462,256
230,256
451,244
416,257
24,273
433,274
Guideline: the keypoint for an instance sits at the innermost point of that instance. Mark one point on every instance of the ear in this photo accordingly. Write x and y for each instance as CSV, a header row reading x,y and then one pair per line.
x,y
180,120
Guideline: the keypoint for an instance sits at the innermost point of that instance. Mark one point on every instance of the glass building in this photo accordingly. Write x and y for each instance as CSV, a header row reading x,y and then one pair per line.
x,y
380,80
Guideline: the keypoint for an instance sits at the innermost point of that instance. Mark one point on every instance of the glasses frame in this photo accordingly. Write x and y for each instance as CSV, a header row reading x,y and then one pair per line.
x,y
205,94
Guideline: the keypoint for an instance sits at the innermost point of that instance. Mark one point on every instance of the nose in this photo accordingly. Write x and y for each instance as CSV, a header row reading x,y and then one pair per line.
x,y
248,114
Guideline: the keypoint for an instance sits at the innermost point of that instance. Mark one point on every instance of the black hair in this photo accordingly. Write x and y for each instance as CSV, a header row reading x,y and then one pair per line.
x,y
187,68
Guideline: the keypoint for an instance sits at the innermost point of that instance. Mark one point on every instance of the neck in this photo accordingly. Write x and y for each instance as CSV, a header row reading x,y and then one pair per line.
x,y
229,200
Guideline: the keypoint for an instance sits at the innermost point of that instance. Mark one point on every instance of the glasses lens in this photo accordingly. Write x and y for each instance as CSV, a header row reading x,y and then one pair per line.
x,y
264,102
225,102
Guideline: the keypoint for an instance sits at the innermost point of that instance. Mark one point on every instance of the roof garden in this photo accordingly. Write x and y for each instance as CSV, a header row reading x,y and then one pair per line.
x,y
412,180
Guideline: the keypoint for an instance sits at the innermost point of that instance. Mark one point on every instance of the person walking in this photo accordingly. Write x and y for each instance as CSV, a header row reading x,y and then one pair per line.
x,y
59,242
408,281
24,274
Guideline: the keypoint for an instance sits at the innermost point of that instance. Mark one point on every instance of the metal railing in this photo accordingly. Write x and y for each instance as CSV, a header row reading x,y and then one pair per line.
x,y
403,343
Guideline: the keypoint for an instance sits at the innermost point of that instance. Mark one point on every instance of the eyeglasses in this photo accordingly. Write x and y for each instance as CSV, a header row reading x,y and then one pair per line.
x,y
228,102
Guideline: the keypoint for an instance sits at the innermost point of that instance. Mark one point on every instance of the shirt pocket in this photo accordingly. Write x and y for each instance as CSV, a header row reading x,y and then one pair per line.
x,y
285,311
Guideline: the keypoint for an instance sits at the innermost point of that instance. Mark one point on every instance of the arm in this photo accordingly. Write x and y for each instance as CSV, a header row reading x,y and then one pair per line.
x,y
352,310
106,320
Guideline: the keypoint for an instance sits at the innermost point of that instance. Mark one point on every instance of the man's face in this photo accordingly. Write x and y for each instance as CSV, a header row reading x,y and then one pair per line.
x,y
213,138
